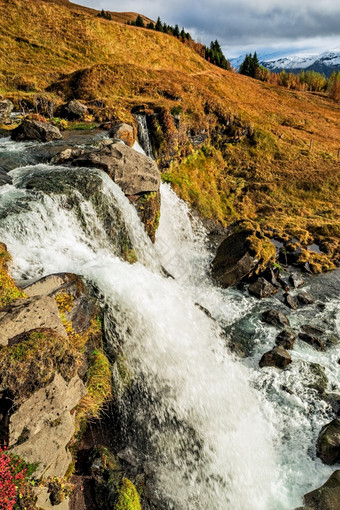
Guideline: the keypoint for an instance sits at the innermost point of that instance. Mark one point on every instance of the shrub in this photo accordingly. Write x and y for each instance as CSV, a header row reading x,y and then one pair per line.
x,y
14,485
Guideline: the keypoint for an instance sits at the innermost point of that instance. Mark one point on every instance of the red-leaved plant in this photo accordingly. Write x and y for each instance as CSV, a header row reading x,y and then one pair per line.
x,y
12,479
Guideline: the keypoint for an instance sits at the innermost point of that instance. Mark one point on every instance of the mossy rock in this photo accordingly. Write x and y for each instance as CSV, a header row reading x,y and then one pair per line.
x,y
128,497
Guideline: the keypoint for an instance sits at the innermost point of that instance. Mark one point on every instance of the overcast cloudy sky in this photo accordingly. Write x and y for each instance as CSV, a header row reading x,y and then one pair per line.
x,y
286,26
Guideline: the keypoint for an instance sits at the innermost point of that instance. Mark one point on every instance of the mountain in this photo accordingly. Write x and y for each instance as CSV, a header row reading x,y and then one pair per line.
x,y
325,62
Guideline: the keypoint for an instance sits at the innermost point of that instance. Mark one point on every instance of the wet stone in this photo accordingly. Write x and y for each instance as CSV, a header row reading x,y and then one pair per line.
x,y
290,302
261,288
312,336
277,357
296,280
286,339
305,298
328,444
275,318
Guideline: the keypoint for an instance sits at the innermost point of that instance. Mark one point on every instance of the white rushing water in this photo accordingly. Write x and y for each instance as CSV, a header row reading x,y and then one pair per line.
x,y
223,434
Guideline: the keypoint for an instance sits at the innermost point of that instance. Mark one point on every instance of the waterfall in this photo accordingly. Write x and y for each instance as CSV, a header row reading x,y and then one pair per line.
x,y
221,434
143,135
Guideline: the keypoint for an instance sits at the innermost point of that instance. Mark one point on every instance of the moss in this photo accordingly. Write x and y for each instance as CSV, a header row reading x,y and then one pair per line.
x,y
31,363
128,497
263,250
8,289
148,206
99,387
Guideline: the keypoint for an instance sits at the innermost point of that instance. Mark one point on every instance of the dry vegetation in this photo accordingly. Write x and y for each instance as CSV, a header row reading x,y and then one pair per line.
x,y
271,154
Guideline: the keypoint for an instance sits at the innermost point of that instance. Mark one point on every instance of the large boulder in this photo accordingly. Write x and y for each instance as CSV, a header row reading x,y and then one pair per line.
x,y
6,108
24,315
326,497
233,260
132,171
74,110
328,444
125,133
31,129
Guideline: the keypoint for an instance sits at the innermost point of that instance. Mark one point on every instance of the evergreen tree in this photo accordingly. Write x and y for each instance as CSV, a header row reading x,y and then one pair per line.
x,y
140,21
150,26
159,26
176,31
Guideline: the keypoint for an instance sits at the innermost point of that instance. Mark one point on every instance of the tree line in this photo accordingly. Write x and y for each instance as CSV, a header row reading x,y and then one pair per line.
x,y
306,80
213,54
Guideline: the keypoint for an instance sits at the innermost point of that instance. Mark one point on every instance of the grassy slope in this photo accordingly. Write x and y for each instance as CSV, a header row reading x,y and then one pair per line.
x,y
271,177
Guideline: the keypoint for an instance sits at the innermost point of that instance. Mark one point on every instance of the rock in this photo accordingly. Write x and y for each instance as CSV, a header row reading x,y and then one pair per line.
x,y
49,426
125,133
328,444
5,178
233,260
284,283
27,314
305,298
6,108
290,301
326,497
44,501
130,455
132,171
277,357
334,401
320,381
73,297
35,130
311,336
275,318
296,280
271,277
261,288
74,110
286,339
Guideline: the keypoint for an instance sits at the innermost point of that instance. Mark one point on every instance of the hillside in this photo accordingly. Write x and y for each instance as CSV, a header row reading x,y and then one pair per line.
x,y
269,154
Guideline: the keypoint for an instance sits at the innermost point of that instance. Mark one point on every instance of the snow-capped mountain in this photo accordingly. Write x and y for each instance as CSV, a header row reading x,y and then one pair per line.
x,y
325,62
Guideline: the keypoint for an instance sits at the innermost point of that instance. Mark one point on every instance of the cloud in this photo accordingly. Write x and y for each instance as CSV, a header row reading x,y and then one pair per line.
x,y
242,23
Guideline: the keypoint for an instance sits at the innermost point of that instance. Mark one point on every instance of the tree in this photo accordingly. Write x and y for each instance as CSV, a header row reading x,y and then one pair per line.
x,y
140,21
150,26
159,26
250,66
176,31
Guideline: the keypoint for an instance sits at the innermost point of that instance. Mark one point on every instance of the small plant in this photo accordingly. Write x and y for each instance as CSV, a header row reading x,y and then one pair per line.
x,y
14,480
58,489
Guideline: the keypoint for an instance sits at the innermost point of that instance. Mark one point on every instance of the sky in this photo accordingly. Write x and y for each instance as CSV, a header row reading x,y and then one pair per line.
x,y
281,27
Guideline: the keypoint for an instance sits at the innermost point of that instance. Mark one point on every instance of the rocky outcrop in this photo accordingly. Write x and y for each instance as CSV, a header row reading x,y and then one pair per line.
x,y
275,318
35,130
28,314
326,497
132,171
73,110
6,108
328,445
277,357
124,132
42,427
